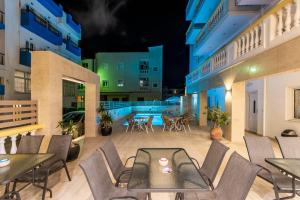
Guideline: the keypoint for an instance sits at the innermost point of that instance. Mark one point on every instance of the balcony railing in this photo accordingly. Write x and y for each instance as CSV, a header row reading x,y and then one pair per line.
x,y
278,25
40,26
25,57
76,27
110,105
73,47
50,5
2,20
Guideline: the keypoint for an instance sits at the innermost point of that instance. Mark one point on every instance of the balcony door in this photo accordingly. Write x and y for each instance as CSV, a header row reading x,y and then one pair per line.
x,y
252,111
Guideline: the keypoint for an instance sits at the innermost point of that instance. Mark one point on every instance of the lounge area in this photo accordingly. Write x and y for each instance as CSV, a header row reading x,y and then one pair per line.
x,y
196,143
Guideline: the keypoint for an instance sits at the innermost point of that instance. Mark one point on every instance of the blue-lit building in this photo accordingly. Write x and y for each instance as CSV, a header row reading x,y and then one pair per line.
x,y
32,25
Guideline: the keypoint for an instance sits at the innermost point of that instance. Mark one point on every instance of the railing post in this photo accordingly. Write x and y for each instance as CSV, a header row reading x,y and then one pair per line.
x,y
280,22
13,149
2,146
288,19
297,13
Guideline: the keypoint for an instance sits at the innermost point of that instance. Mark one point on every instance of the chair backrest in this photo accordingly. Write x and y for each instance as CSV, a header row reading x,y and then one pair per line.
x,y
166,120
213,159
59,145
237,179
259,148
149,122
97,176
112,157
289,146
30,144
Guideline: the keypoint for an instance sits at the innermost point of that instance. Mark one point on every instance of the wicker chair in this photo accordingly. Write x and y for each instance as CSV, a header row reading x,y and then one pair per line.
x,y
260,148
100,183
131,124
289,146
212,162
120,172
59,146
234,184
30,144
168,124
148,124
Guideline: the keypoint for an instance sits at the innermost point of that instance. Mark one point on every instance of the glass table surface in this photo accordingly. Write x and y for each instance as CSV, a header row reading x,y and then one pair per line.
x,y
19,164
289,165
149,176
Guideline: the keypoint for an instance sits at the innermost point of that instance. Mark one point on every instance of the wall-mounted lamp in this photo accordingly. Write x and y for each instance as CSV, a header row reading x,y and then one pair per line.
x,y
252,69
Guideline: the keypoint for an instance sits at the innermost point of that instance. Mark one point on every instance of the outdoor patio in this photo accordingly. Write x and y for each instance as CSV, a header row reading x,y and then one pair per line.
x,y
196,143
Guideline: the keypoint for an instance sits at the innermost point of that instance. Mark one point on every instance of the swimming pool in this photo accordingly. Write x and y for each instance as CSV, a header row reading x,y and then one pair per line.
x,y
157,120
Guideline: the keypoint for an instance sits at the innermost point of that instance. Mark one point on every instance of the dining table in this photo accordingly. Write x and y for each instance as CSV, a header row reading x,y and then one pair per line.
x,y
291,167
19,164
177,173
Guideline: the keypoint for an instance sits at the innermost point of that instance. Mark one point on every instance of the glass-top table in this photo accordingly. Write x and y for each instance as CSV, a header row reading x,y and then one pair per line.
x,y
289,165
180,175
19,164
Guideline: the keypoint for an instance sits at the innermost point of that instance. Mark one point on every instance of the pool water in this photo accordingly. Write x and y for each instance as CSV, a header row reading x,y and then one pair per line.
x,y
157,120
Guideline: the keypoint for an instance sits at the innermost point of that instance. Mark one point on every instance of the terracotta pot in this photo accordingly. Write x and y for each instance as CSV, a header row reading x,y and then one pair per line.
x,y
216,133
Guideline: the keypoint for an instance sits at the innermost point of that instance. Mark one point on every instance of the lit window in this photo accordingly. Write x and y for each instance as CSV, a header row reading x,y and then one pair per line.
x,y
105,83
22,82
121,66
144,82
105,66
144,66
120,83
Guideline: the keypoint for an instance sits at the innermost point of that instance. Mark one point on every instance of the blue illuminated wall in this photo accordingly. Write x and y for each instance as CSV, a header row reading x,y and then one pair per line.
x,y
216,98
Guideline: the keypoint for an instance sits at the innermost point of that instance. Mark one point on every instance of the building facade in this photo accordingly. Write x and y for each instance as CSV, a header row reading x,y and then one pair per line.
x,y
32,25
130,76
244,58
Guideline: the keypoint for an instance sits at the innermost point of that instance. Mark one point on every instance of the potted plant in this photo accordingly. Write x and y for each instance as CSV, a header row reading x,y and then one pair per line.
x,y
218,118
71,128
105,121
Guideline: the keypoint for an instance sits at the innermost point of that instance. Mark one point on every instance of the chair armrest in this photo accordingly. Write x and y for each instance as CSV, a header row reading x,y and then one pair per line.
x,y
131,157
269,172
195,162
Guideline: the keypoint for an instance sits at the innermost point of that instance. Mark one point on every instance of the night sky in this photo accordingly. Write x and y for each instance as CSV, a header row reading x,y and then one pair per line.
x,y
133,25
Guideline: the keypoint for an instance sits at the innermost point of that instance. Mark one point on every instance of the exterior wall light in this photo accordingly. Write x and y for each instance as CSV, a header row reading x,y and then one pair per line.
x,y
253,69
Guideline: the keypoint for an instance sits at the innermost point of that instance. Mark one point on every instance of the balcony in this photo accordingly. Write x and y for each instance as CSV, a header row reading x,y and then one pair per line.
x,y
2,20
73,48
193,32
204,9
191,8
76,27
226,22
41,27
25,57
50,5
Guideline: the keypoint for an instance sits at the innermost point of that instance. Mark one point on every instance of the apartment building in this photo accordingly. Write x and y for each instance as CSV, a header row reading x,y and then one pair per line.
x,y
244,58
129,76
32,25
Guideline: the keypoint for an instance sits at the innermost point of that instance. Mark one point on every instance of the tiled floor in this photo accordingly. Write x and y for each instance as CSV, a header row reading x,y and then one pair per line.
x,y
196,144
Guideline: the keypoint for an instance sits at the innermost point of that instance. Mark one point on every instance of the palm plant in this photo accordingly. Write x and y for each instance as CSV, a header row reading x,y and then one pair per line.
x,y
217,117
69,128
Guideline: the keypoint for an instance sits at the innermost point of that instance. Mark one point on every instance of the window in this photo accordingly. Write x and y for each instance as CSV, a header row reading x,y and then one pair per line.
x,y
140,99
120,83
105,66
144,82
144,66
69,89
121,66
105,83
155,85
297,104
155,69
22,82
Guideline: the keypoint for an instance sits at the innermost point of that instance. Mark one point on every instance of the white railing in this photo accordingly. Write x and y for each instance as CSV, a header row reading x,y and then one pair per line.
x,y
278,25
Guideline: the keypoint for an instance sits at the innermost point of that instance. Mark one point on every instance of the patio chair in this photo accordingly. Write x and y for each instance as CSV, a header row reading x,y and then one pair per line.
x,y
260,148
168,124
30,144
59,146
120,172
186,123
212,162
100,183
148,124
131,124
235,182
289,146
